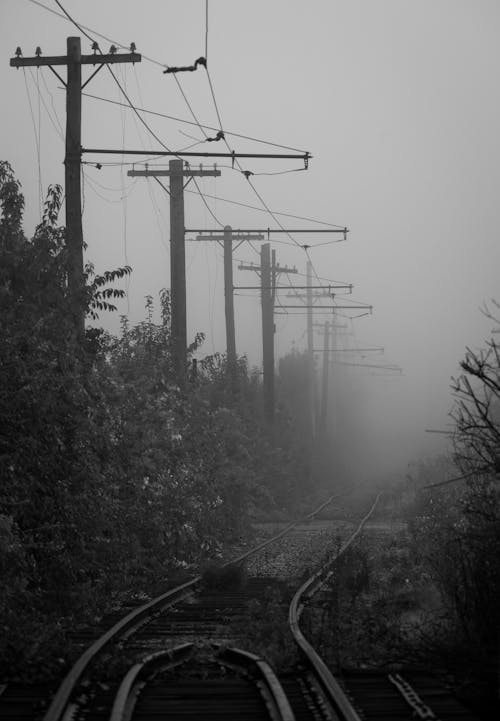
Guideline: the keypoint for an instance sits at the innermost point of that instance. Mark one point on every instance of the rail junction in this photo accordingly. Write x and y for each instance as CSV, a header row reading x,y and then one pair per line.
x,y
176,657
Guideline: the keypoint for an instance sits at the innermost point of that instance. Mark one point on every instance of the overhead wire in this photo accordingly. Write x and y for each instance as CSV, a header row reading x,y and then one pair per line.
x,y
108,67
206,30
246,174
276,212
162,229
58,121
37,145
199,125
122,90
197,122
124,204
55,123
93,184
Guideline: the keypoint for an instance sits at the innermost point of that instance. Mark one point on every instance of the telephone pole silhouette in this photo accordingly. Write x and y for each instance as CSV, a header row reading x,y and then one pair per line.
x,y
228,237
73,60
268,276
176,172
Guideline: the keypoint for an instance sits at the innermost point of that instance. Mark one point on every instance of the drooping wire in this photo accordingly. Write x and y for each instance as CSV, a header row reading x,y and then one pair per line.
x,y
220,223
146,111
128,189
94,185
276,212
58,121
55,123
206,30
258,195
125,206
37,145
158,215
122,90
147,58
154,204
194,117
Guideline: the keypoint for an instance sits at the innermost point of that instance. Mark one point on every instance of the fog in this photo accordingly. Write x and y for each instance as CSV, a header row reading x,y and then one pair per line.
x,y
398,104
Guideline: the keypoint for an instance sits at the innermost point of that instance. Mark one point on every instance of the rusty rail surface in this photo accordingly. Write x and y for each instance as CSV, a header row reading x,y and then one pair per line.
x,y
140,615
330,686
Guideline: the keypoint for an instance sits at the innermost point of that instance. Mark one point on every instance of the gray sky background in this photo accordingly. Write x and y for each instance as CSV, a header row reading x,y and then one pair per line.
x,y
398,102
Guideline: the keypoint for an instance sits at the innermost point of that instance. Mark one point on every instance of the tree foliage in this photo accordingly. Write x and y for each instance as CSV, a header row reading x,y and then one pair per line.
x,y
112,477
456,526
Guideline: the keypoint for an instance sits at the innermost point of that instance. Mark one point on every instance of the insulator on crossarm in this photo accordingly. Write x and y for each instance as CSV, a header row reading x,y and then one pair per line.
x,y
38,51
19,52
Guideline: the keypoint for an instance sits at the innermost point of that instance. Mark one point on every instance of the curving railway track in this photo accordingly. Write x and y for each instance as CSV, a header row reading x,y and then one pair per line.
x,y
176,657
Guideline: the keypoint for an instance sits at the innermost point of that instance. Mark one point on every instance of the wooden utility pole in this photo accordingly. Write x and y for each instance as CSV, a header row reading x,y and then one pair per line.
x,y
268,278
72,160
177,173
72,180
324,388
310,351
228,238
229,300
267,331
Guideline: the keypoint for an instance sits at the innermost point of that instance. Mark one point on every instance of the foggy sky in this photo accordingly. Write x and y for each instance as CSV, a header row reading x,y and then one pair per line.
x,y
397,101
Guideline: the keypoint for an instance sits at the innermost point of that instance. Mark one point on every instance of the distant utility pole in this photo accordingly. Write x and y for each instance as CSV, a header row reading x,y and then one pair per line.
x,y
72,160
267,331
313,401
268,275
324,388
228,238
177,173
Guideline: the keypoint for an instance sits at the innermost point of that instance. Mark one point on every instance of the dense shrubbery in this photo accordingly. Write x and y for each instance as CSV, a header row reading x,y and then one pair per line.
x,y
453,509
111,475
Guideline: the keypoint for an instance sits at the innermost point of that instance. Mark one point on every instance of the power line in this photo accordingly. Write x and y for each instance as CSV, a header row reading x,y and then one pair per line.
x,y
206,30
37,144
59,124
81,28
55,124
198,124
122,90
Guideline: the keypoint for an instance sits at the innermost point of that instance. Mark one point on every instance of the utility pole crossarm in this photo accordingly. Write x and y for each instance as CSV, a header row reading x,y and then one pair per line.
x,y
331,307
267,231
328,291
177,153
165,173
235,237
256,268
95,59
275,269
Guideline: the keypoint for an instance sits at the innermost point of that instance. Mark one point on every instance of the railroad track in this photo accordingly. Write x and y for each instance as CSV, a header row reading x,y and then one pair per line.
x,y
183,618
175,657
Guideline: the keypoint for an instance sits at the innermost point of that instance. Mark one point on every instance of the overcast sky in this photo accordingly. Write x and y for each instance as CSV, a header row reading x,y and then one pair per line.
x,y
397,100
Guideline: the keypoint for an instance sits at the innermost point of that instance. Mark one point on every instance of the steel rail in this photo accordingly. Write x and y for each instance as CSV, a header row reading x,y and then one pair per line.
x,y
330,686
133,683
138,616
272,691
259,670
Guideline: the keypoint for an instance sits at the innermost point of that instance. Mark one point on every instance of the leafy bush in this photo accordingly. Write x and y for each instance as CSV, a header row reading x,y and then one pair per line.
x,y
112,476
